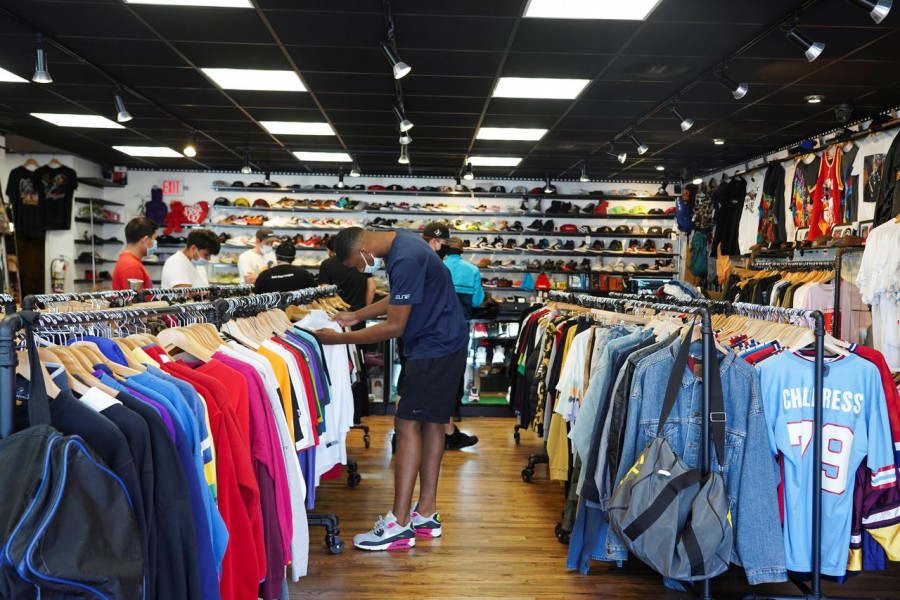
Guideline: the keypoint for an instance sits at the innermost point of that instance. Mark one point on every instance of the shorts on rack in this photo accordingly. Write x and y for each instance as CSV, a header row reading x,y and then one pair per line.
x,y
429,390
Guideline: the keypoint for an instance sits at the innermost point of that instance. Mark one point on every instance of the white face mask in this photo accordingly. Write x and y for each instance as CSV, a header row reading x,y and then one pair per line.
x,y
370,269
266,249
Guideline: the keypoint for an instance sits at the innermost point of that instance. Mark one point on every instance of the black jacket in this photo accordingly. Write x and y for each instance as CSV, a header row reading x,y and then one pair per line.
x,y
887,202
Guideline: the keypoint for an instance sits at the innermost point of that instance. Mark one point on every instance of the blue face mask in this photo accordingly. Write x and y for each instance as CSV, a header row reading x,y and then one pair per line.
x,y
371,269
199,261
152,249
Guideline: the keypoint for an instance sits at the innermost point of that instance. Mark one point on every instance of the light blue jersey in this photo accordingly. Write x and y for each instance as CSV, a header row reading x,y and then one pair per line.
x,y
855,427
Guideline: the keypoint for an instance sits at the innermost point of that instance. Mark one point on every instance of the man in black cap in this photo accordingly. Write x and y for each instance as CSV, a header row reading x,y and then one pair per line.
x,y
259,258
284,276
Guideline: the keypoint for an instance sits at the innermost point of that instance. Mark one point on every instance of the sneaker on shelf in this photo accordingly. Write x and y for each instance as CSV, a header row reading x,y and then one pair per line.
x,y
481,355
459,440
548,226
482,243
534,265
568,245
544,244
583,247
597,265
517,227
615,246
387,534
528,244
633,246
427,526
585,229
499,355
667,248
649,247
598,246
484,263
536,225
474,396
585,265
557,245
498,243
630,268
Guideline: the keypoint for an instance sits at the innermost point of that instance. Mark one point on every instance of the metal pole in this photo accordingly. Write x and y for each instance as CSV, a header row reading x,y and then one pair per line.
x,y
709,362
8,361
836,317
817,457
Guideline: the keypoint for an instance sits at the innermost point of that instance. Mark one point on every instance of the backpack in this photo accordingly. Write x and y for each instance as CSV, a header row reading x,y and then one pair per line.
x,y
67,528
699,254
668,514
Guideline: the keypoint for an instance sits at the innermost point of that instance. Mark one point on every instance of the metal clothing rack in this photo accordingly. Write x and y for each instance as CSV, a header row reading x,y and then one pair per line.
x,y
116,298
182,294
9,303
107,298
702,590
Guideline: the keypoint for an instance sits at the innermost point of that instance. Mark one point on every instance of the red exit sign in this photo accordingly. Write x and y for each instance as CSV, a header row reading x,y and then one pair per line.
x,y
171,187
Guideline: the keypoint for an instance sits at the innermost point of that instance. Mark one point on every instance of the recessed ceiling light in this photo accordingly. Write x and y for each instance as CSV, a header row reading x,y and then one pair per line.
x,y
539,87
323,156
256,79
155,151
510,133
94,121
660,168
632,10
494,161
719,142
815,98
205,3
297,128
9,77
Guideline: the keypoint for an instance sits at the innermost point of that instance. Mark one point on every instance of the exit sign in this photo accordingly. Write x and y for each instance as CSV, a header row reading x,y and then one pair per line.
x,y
171,187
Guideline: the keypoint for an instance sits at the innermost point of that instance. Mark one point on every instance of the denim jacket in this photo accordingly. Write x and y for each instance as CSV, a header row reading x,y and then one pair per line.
x,y
749,471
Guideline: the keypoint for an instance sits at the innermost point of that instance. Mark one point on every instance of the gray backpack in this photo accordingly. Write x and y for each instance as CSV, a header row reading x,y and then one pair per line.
x,y
668,514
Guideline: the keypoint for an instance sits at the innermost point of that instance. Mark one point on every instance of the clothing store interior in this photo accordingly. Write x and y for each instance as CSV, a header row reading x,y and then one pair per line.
x,y
609,288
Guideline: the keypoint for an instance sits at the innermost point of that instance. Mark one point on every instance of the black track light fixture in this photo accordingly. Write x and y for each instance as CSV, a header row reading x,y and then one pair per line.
x,y
354,170
405,138
738,90
468,174
400,68
246,169
122,115
548,186
41,74
877,9
682,120
641,148
619,156
811,49
400,113
190,148
584,177
340,184
267,178
458,187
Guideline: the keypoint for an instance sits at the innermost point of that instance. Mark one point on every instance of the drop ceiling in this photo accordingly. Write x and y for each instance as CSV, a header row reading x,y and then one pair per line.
x,y
457,49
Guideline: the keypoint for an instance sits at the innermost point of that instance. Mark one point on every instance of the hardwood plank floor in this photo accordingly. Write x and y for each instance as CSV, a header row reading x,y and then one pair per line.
x,y
499,539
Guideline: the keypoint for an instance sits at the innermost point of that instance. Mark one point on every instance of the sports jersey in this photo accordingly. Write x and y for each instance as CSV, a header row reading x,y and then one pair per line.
x,y
855,427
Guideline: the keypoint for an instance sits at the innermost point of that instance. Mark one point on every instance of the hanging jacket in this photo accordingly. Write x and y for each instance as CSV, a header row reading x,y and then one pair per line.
x,y
887,201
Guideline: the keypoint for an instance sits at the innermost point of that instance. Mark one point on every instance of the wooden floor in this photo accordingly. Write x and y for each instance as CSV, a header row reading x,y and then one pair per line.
x,y
499,539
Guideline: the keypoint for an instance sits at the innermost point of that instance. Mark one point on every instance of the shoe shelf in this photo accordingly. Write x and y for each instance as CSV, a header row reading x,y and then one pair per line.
x,y
223,265
585,254
98,221
521,214
96,261
487,270
288,209
230,248
96,243
435,194
96,202
579,234
300,227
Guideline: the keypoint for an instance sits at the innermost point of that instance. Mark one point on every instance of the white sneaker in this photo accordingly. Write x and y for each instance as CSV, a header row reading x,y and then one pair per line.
x,y
499,355
387,535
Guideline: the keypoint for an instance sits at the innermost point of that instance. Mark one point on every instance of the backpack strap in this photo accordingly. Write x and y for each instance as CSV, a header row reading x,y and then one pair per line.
x,y
38,403
661,503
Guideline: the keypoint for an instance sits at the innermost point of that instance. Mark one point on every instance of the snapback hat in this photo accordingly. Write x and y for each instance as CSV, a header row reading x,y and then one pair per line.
x,y
260,203
220,183
242,202
498,189
266,234
568,228
436,230
221,201
285,251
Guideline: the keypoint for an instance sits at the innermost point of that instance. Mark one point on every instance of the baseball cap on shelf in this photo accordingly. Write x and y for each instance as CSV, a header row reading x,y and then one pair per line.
x,y
221,201
537,190
655,230
238,183
220,183
242,202
395,188
257,184
436,230
568,228
376,188
358,186
428,188
272,184
412,188
519,189
260,203
445,188
498,189
266,234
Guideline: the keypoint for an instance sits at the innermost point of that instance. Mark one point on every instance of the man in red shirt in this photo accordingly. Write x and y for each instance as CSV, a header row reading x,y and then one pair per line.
x,y
140,241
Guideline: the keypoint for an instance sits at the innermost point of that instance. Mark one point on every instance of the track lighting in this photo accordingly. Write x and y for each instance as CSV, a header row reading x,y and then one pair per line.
x,y
41,74
190,150
340,182
584,178
354,170
878,10
246,169
548,187
685,122
811,49
459,186
267,178
400,68
405,124
405,138
738,90
468,174
619,156
641,148
122,115
404,155
697,180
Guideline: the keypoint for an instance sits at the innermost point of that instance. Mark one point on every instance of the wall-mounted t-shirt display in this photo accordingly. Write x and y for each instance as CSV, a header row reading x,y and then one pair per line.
x,y
826,195
22,191
56,185
872,167
850,200
801,199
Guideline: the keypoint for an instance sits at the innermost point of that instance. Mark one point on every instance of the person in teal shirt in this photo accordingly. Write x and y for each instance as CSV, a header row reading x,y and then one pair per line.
x,y
466,277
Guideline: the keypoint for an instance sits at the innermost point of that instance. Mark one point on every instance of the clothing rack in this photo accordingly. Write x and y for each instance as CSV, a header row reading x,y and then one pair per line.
x,y
110,298
181,294
812,265
9,303
114,298
702,591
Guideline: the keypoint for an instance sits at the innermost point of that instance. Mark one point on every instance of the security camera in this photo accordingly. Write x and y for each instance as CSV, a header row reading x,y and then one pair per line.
x,y
842,112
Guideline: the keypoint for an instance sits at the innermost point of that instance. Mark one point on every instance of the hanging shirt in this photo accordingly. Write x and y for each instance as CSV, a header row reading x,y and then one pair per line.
x,y
56,186
855,427
803,181
826,195
24,196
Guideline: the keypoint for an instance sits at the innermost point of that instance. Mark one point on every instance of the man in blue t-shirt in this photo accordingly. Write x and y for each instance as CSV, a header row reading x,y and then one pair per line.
x,y
423,309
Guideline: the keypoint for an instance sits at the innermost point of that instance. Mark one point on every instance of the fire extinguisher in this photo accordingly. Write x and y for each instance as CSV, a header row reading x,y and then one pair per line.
x,y
58,268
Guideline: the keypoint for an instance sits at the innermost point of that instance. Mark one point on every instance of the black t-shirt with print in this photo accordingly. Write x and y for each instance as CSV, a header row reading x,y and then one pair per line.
x,y
24,196
56,187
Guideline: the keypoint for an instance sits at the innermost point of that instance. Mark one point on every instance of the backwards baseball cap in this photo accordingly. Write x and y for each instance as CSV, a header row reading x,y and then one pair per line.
x,y
285,251
436,230
266,234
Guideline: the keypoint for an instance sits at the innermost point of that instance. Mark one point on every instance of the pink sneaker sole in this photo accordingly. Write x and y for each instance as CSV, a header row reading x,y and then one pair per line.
x,y
428,533
401,545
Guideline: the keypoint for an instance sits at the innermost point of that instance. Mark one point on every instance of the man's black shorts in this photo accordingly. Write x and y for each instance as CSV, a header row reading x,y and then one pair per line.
x,y
429,390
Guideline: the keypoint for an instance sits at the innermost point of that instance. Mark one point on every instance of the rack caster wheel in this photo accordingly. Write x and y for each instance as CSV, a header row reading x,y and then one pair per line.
x,y
367,440
353,479
527,474
394,443
516,435
561,534
335,544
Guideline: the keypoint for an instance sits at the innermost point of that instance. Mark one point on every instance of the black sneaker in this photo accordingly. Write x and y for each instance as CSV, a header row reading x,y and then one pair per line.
x,y
510,244
598,246
585,265
498,243
569,245
634,245
458,440
528,244
536,225
482,243
548,226
615,246
585,229
517,227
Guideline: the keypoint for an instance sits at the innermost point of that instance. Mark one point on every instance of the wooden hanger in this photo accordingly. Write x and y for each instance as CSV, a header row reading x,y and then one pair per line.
x,y
54,163
31,163
93,350
181,337
24,370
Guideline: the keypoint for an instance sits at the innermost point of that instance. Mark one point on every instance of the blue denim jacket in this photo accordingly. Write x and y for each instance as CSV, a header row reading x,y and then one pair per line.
x,y
749,471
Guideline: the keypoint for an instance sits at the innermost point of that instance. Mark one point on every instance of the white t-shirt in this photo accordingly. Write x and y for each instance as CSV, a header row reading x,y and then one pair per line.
x,y
252,261
750,217
178,270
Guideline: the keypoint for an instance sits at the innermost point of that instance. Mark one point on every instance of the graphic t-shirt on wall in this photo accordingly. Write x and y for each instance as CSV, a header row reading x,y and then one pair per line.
x,y
23,194
801,190
873,165
855,427
56,187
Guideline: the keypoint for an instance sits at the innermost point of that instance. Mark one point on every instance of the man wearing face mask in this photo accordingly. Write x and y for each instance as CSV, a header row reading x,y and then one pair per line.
x,y
187,268
140,241
259,258
422,307
285,276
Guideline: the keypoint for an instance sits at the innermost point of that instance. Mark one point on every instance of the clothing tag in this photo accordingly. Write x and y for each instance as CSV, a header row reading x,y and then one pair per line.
x,y
98,400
